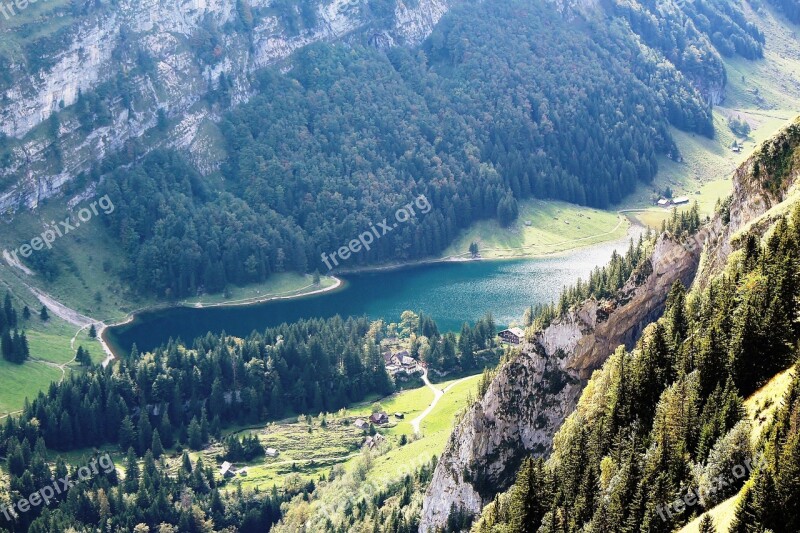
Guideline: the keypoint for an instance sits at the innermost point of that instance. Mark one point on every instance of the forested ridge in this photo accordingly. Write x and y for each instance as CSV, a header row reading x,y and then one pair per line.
x,y
309,366
185,396
502,102
667,417
146,497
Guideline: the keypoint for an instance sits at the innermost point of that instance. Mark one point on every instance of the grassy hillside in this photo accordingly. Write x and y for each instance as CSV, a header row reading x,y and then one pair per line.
x,y
765,93
309,450
543,227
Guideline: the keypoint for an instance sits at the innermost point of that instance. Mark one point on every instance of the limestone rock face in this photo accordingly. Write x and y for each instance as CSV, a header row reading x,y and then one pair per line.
x,y
756,190
101,48
531,396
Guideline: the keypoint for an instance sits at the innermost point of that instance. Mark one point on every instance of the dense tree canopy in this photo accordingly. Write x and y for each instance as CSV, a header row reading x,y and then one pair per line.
x,y
502,102
13,343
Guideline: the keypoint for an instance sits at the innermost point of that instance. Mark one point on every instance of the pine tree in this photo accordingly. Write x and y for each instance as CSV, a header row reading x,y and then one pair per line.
x,y
7,346
195,435
9,312
156,447
43,314
145,431
525,507
82,357
127,434
216,402
131,483
21,350
707,525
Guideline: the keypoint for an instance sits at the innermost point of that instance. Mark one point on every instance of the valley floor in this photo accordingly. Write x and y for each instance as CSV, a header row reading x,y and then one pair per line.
x,y
308,447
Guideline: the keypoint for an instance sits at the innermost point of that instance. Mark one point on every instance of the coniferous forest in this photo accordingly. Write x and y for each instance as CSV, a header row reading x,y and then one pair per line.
x,y
501,103
667,418
487,105
185,396
13,342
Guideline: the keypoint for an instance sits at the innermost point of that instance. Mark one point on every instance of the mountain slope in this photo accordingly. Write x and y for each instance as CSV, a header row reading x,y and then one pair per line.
x,y
761,185
455,118
530,397
133,76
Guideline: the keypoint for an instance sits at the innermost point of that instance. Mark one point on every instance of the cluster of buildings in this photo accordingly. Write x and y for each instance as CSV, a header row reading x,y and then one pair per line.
x,y
227,470
378,418
667,202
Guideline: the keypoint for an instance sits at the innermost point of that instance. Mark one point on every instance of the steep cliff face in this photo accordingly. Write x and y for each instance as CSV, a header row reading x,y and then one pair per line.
x,y
168,56
757,189
531,396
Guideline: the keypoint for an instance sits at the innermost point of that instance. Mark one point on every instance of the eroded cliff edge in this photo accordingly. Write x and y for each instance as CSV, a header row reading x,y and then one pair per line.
x,y
531,396
163,58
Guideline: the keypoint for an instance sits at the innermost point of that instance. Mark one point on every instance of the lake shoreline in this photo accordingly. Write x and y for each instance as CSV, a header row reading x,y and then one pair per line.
x,y
339,282
109,347
109,334
635,226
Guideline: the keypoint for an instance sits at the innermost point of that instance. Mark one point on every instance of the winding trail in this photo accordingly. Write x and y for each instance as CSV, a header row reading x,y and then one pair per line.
x,y
437,395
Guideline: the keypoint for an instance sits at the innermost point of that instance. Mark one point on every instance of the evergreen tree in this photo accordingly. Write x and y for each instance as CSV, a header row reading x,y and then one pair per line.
x,y
156,447
195,435
707,525
144,432
82,357
127,434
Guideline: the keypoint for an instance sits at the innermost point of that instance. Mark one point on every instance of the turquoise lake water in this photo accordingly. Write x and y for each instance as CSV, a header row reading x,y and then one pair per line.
x,y
451,292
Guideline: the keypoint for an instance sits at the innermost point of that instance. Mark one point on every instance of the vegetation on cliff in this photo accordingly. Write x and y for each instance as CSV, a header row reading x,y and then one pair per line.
x,y
667,417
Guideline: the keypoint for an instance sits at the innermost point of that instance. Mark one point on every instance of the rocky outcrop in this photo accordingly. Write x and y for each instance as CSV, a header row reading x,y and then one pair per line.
x,y
531,396
759,184
186,45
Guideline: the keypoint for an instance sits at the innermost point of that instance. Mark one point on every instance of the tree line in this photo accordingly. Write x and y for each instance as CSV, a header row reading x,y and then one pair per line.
x,y
181,397
147,498
185,395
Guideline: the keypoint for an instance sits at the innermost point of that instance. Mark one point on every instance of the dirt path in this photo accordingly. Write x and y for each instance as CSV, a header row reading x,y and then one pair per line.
x,y
16,263
75,318
437,395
